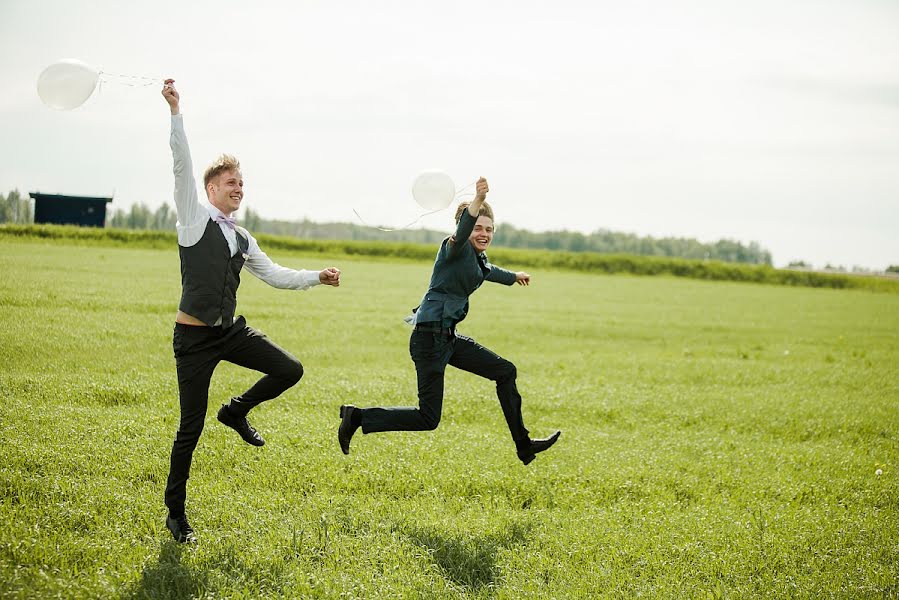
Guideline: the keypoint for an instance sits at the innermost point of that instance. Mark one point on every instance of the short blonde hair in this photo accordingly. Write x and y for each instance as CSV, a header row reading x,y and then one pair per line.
x,y
486,210
223,163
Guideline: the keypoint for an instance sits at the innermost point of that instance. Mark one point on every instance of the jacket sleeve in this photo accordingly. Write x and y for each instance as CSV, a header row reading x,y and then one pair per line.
x,y
459,240
500,275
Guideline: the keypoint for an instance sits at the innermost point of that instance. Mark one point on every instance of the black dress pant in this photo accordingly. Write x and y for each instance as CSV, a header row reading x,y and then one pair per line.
x,y
432,352
198,350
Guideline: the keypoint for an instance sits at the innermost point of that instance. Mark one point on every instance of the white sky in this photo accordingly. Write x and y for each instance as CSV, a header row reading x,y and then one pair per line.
x,y
774,121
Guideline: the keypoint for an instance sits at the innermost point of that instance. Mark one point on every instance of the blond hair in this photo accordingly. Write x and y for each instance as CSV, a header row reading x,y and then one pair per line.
x,y
223,163
486,210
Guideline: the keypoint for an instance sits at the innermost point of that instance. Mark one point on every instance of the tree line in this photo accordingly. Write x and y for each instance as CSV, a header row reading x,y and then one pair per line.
x,y
603,241
15,209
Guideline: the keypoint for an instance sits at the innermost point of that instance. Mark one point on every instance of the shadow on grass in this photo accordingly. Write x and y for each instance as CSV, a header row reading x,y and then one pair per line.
x,y
468,561
168,579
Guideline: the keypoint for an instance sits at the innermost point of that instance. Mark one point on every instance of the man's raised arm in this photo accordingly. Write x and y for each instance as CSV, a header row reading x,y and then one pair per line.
x,y
187,204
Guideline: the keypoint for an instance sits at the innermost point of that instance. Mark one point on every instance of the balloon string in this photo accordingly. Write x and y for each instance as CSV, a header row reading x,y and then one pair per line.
x,y
139,80
462,189
420,217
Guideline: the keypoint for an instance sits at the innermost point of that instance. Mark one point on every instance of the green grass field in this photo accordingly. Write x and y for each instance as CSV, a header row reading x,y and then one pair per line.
x,y
719,440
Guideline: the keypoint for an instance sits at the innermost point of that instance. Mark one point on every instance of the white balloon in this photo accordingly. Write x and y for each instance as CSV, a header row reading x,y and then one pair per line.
x,y
433,189
66,84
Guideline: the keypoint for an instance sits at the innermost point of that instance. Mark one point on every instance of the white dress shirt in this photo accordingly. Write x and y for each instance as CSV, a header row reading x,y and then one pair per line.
x,y
193,217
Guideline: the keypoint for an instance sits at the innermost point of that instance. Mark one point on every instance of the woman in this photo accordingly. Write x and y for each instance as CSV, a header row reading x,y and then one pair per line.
x,y
461,267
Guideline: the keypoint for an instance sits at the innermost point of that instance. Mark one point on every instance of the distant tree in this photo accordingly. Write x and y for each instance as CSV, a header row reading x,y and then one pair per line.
x,y
164,218
115,218
893,269
12,201
799,264
139,217
578,243
251,220
14,208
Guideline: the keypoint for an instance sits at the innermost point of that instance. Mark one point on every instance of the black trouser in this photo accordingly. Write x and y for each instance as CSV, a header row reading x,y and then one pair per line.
x,y
431,352
198,350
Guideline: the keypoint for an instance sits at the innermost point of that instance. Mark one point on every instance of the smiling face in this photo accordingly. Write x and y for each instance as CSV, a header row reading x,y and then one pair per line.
x,y
482,234
225,191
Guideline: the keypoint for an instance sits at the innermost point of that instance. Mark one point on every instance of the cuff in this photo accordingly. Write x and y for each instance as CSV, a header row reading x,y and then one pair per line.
x,y
311,278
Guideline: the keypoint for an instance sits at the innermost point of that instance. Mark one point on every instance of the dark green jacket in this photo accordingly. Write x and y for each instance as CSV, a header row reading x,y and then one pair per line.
x,y
458,272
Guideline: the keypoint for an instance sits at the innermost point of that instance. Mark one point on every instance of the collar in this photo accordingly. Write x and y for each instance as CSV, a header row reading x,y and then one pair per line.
x,y
213,211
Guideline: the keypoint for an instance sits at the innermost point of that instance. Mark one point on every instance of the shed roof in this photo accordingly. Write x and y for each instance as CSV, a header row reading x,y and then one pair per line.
x,y
39,196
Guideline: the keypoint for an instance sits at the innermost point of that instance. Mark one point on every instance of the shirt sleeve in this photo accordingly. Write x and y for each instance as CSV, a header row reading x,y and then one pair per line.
x,y
260,265
192,216
459,241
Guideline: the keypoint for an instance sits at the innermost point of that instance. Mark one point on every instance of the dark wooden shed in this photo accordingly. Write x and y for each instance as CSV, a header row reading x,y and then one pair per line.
x,y
87,211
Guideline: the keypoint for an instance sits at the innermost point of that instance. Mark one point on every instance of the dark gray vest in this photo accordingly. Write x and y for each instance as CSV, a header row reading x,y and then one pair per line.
x,y
210,276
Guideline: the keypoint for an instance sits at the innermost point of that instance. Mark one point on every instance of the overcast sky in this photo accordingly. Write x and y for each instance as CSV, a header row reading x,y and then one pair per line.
x,y
774,121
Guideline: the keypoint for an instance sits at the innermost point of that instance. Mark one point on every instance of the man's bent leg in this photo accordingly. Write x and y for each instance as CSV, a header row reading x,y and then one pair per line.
x,y
475,358
254,350
430,353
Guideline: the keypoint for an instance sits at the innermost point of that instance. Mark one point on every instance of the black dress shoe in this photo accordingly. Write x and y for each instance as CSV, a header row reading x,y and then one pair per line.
x,y
528,450
241,426
350,419
181,529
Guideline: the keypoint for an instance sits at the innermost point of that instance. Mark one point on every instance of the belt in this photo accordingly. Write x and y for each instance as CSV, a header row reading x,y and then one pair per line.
x,y
433,329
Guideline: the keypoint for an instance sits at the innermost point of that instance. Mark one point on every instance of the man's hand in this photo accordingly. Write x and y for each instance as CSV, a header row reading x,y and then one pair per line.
x,y
171,95
522,278
481,190
330,276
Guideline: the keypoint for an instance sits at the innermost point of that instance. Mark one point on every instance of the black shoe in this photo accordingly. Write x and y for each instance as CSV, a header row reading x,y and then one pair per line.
x,y
181,529
241,426
349,423
528,450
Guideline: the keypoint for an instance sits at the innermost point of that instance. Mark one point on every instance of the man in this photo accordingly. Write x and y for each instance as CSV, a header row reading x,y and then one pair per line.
x,y
460,269
213,251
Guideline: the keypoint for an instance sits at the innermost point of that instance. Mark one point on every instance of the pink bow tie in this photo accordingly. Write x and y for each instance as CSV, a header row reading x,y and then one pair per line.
x,y
228,221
